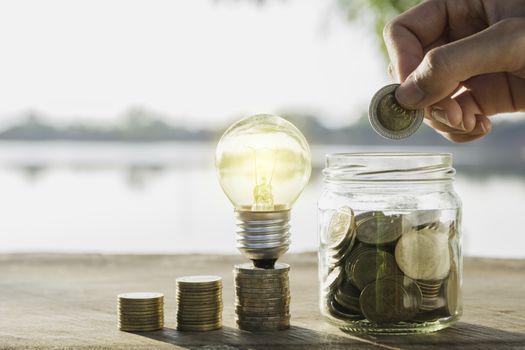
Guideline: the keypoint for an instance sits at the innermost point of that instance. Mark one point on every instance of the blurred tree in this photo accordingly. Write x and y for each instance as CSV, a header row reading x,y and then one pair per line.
x,y
378,11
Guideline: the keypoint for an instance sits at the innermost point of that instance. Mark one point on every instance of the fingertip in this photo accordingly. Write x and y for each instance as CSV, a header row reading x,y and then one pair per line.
x,y
485,123
449,113
409,94
469,122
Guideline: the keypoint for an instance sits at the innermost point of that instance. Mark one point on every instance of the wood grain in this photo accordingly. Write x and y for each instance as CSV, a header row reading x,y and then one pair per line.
x,y
69,301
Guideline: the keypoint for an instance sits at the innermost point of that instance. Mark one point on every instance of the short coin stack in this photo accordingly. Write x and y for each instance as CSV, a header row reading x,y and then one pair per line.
x,y
262,297
140,312
199,303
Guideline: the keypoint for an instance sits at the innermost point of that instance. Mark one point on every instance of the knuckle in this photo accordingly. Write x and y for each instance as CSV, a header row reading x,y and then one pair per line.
x,y
390,29
437,60
508,35
512,33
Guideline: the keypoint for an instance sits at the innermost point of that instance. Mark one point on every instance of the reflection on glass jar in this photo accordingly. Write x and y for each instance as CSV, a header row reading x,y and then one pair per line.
x,y
390,243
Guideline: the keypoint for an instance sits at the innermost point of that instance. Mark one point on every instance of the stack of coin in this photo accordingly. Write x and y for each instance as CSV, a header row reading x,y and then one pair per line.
x,y
140,312
431,294
262,297
199,303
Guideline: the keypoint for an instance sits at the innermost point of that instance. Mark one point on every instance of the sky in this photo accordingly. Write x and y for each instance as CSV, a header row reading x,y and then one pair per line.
x,y
197,61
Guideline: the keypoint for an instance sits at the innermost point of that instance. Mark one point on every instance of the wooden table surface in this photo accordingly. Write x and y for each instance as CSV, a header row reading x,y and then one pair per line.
x,y
69,301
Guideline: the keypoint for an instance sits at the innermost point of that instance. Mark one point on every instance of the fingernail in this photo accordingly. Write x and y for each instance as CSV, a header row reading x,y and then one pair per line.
x,y
409,94
479,119
439,115
483,128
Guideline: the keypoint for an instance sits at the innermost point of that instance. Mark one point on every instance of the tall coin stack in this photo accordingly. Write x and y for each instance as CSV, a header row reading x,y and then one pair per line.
x,y
262,297
199,303
140,312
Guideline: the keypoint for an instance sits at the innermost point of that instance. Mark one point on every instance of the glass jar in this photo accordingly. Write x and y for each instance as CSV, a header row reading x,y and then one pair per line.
x,y
390,243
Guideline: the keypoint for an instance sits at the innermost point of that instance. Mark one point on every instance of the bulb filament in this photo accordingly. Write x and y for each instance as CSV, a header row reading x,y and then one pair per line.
x,y
264,171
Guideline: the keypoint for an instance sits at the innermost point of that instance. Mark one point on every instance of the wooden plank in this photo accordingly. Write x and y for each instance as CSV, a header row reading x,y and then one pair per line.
x,y
65,301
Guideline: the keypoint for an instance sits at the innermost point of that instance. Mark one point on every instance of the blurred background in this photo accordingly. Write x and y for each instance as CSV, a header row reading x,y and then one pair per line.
x,y
110,112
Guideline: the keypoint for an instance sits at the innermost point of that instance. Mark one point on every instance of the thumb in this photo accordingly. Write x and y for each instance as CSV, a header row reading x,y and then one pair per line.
x,y
499,48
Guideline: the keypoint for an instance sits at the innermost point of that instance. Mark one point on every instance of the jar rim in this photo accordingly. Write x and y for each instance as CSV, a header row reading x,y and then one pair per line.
x,y
347,155
388,166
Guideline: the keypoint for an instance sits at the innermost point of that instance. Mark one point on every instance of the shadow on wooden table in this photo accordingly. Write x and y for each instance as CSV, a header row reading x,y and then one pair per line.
x,y
233,338
461,336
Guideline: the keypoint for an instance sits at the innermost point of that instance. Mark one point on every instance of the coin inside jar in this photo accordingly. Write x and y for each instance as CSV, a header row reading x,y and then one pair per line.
x,y
380,229
452,292
423,254
371,265
340,225
386,301
389,119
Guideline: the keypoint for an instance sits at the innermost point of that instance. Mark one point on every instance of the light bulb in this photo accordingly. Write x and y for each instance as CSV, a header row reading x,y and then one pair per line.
x,y
263,163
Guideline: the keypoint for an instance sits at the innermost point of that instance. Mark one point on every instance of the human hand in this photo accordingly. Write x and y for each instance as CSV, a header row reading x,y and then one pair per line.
x,y
441,46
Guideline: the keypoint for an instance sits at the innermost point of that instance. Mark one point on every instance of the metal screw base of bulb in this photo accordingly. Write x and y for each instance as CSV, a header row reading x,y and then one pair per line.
x,y
263,236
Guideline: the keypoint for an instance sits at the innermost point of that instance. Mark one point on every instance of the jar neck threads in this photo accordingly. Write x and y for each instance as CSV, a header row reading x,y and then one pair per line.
x,y
385,169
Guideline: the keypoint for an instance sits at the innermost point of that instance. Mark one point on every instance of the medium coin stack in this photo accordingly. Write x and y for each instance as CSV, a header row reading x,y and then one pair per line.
x,y
389,268
262,297
199,303
140,312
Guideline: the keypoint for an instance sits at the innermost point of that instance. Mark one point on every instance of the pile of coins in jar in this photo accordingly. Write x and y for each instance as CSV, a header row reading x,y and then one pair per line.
x,y
390,268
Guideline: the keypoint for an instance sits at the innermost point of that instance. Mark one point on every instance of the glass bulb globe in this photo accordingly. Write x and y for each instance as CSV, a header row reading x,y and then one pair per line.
x,y
263,163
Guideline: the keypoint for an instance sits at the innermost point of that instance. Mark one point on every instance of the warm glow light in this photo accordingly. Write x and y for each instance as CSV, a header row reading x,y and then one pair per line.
x,y
263,163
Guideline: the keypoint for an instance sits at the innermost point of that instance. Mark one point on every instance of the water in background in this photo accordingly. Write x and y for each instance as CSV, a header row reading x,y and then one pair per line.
x,y
164,197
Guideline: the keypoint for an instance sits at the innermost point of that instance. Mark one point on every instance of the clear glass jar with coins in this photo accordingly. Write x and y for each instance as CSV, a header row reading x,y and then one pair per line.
x,y
390,243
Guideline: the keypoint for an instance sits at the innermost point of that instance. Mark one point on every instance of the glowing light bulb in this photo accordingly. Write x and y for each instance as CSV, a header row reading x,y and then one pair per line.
x,y
263,163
